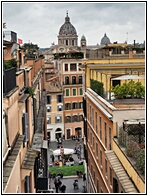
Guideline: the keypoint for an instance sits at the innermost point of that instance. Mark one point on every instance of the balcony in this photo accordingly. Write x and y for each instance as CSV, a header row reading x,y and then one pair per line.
x,y
9,80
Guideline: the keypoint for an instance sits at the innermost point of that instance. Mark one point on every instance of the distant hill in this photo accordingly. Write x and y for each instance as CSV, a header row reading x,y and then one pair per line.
x,y
42,50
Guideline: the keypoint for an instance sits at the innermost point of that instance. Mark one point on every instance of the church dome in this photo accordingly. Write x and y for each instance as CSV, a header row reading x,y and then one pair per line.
x,y
67,28
105,40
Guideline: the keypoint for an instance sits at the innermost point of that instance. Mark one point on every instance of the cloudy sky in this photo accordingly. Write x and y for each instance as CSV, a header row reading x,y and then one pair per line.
x,y
39,22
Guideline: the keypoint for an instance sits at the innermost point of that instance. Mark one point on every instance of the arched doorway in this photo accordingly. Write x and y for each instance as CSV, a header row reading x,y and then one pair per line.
x,y
78,132
58,133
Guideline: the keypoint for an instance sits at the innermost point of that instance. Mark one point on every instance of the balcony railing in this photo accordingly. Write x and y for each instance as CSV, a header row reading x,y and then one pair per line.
x,y
134,144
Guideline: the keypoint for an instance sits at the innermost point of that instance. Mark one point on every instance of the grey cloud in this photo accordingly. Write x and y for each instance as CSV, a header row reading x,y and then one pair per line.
x,y
40,21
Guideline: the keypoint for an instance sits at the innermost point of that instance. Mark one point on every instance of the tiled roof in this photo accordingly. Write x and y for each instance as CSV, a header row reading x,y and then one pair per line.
x,y
121,174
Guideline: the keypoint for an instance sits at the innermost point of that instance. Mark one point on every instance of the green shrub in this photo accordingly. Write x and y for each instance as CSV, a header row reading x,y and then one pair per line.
x,y
66,170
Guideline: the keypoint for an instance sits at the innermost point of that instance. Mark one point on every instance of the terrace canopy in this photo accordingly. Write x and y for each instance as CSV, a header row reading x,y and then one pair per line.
x,y
128,77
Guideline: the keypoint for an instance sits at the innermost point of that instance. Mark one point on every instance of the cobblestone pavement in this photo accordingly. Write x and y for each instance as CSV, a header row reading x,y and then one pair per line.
x,y
68,181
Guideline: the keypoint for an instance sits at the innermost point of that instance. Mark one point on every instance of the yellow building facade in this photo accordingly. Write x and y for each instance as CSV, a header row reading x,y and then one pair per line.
x,y
109,170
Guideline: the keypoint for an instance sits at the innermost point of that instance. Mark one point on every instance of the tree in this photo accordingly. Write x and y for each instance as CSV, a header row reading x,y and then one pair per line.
x,y
131,89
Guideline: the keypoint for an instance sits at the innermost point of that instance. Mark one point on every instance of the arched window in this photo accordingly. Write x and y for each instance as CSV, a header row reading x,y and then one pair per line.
x,y
66,80
73,79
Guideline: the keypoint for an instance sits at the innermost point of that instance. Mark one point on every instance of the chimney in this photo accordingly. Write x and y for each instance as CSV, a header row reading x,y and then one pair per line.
x,y
134,42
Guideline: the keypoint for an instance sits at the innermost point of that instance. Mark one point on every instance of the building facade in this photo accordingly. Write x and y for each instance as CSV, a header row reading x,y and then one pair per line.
x,y
22,97
109,169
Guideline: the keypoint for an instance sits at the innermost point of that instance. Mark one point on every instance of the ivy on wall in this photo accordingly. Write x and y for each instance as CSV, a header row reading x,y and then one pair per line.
x,y
97,87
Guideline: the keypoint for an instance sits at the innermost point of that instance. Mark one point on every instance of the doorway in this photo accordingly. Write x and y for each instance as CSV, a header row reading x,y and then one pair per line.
x,y
68,133
115,186
78,132
58,133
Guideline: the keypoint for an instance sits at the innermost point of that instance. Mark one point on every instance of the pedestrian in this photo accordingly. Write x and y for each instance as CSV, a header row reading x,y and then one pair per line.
x,y
52,158
63,188
60,184
75,184
56,183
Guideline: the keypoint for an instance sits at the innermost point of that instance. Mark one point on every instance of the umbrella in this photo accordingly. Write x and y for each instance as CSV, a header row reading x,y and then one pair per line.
x,y
128,77
65,151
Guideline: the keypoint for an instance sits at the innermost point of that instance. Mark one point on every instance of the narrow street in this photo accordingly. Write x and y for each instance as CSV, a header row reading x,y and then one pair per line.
x,y
68,180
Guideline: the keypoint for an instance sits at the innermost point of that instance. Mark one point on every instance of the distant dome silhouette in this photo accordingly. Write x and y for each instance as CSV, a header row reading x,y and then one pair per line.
x,y
67,28
105,40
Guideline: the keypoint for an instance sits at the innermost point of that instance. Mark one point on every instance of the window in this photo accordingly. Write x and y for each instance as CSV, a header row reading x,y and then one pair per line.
x,y
66,42
66,80
74,105
90,114
80,105
60,108
93,143
59,98
67,92
73,67
91,139
74,92
75,118
48,120
48,108
81,117
92,117
88,111
110,176
81,91
97,186
100,128
68,119
48,99
106,169
94,175
100,157
80,66
88,135
66,67
73,79
96,118
25,126
67,106
105,132
110,139
96,149
80,79
73,42
58,119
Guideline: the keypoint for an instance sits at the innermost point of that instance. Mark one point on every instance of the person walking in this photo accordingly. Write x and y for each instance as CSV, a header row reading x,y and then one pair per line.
x,y
56,183
63,188
52,158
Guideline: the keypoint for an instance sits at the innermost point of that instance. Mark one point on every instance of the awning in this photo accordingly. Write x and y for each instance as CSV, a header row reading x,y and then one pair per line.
x,y
128,77
66,151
